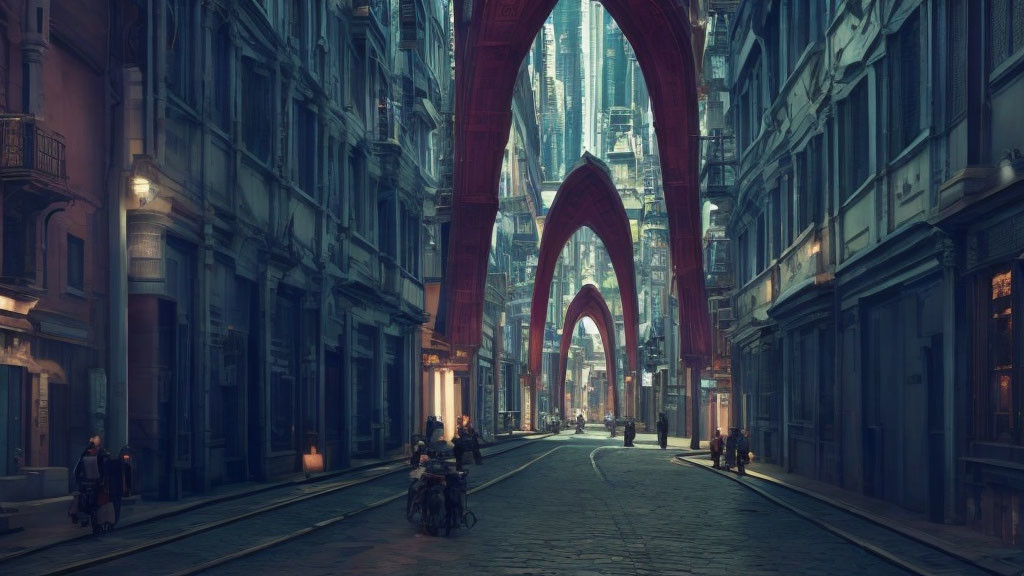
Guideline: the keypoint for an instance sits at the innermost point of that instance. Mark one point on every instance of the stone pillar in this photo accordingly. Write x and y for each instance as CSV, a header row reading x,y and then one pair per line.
x,y
694,368
34,42
151,445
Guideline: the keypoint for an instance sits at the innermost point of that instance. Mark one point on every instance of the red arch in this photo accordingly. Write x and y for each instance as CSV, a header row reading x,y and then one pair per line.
x,y
587,197
492,38
589,302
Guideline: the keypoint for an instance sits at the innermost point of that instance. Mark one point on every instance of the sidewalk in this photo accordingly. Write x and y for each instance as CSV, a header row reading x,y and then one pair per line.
x,y
957,540
45,522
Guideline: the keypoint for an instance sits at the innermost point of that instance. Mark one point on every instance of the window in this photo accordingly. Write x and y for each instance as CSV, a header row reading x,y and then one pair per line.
x,y
410,241
956,54
360,195
4,49
815,193
803,201
334,177
222,77
776,223
854,140
743,258
802,371
1006,30
905,69
76,263
305,149
790,229
762,245
357,86
799,30
257,115
180,66
386,227
1001,355
19,234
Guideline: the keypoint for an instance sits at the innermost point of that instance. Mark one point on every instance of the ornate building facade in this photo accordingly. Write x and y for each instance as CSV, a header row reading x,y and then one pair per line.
x,y
877,267
274,159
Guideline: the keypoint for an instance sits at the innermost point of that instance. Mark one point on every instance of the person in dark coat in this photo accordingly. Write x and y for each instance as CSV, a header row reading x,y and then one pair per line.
x,y
467,439
742,451
716,448
629,433
730,448
662,430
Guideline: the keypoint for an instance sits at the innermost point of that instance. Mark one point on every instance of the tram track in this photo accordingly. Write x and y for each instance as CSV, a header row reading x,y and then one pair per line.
x,y
332,521
133,540
914,555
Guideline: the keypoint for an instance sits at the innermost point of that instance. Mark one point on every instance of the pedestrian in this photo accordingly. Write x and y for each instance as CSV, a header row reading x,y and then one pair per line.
x,y
716,448
662,430
730,448
629,433
742,451
467,439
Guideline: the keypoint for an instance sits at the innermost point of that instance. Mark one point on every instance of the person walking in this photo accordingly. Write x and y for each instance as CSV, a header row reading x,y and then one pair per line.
x,y
662,430
468,440
742,451
730,448
716,448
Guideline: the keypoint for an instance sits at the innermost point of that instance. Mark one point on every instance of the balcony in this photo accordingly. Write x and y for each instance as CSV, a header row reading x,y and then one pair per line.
x,y
33,158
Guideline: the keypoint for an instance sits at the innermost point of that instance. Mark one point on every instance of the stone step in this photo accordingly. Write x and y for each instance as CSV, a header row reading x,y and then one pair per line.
x,y
10,523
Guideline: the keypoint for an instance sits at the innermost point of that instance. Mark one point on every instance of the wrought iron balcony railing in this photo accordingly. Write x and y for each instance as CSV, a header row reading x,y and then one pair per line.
x,y
27,147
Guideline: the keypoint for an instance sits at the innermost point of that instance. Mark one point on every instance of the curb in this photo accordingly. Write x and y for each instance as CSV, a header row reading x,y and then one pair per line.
x,y
909,533
238,495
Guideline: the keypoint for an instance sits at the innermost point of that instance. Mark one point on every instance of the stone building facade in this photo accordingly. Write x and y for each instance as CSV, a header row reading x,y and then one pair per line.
x,y
53,258
877,254
273,163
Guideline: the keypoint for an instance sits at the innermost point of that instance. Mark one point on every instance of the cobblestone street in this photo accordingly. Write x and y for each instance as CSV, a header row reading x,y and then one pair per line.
x,y
591,507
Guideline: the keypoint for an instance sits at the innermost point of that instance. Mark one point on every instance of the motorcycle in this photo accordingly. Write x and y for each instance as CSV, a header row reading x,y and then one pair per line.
x,y
437,496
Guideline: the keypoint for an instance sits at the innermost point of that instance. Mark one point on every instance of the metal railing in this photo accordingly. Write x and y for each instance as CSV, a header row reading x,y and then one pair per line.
x,y
26,146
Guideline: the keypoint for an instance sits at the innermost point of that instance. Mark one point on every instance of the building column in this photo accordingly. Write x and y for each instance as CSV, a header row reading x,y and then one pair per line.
x,y
694,369
380,415
953,362
144,376
34,41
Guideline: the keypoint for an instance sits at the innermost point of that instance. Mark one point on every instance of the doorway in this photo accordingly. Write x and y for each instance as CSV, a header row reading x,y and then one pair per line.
x,y
12,418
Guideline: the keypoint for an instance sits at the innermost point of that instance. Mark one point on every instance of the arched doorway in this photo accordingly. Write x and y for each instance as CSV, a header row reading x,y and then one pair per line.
x,y
588,303
587,197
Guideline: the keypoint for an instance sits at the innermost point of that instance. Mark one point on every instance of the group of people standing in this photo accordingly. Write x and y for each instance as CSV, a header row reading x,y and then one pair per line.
x,y
466,439
736,448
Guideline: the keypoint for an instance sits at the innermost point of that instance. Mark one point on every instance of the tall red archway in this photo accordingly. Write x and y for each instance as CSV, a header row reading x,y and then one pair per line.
x,y
588,302
587,197
492,38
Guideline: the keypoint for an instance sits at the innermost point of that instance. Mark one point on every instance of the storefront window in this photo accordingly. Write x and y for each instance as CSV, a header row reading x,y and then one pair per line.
x,y
1001,354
